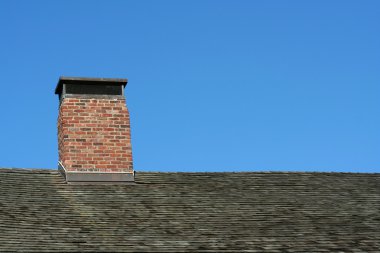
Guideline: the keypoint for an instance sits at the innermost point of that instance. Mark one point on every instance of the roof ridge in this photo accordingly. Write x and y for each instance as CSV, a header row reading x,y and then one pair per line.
x,y
254,171
54,171
28,170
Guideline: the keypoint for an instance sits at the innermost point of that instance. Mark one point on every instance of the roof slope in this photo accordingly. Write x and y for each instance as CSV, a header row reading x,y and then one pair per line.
x,y
271,212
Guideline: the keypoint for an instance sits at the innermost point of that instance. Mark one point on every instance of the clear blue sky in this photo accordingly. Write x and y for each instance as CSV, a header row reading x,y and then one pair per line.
x,y
213,85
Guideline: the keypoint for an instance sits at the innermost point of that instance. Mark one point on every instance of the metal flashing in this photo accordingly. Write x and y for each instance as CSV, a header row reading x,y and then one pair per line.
x,y
79,177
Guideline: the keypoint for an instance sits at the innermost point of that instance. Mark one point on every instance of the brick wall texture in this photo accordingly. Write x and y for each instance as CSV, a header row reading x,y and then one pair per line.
x,y
94,135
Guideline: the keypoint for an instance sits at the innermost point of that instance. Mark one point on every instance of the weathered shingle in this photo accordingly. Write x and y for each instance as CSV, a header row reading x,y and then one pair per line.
x,y
254,212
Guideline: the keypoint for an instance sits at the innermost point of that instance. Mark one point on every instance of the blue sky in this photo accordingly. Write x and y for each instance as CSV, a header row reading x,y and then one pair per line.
x,y
213,85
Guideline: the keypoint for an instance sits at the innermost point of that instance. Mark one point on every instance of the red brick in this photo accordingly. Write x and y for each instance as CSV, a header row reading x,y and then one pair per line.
x,y
94,134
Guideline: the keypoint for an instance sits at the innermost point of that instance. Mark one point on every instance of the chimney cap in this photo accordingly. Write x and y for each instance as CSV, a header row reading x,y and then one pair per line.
x,y
88,80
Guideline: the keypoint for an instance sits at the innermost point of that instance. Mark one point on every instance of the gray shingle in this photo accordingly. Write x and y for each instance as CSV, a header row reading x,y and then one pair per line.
x,y
208,212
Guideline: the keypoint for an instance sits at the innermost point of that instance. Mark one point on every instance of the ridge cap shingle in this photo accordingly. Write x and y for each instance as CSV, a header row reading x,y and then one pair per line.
x,y
54,171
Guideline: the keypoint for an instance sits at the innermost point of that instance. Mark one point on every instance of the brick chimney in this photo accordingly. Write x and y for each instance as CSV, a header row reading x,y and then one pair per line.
x,y
94,137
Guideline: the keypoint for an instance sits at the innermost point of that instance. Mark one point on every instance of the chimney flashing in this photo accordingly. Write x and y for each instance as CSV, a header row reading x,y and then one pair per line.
x,y
94,177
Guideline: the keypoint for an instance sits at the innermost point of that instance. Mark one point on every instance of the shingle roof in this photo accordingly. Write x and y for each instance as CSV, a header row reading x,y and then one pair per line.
x,y
255,212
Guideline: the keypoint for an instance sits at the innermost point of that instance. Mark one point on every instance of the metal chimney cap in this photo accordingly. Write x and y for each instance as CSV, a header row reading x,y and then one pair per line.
x,y
89,81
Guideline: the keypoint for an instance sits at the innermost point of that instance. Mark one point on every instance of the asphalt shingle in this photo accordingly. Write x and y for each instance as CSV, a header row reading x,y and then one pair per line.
x,y
208,212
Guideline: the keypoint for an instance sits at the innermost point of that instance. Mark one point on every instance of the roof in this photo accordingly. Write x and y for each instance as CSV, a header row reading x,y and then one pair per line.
x,y
214,212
